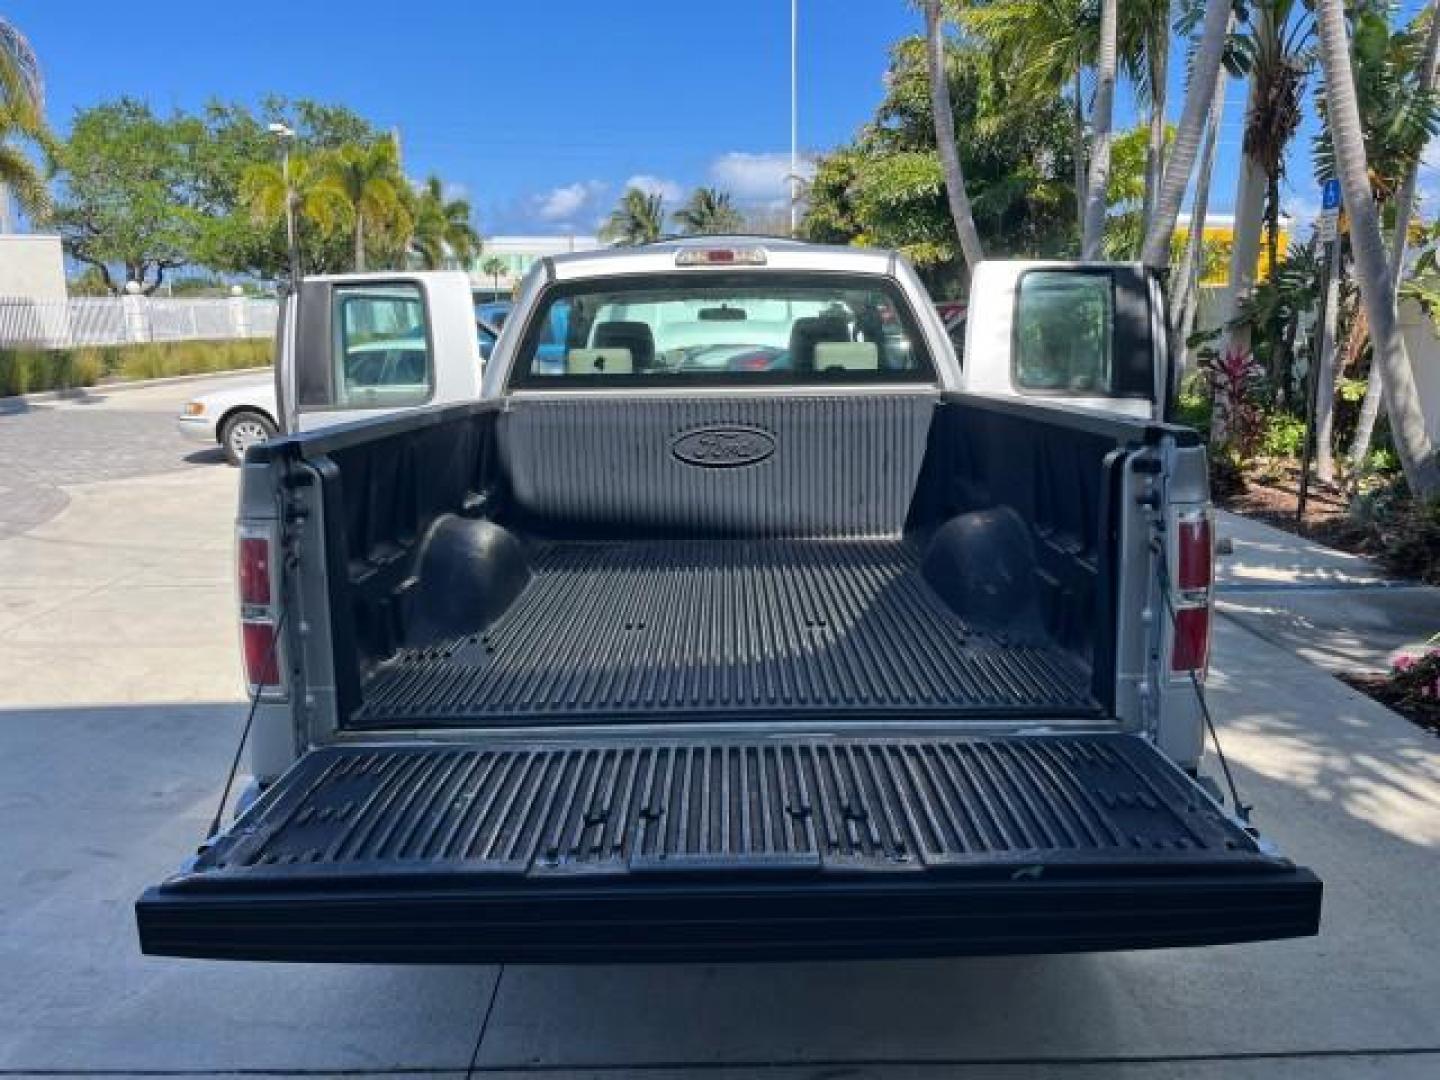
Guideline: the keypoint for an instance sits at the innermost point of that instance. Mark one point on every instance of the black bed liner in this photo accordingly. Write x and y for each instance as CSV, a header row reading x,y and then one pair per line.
x,y
735,628
772,847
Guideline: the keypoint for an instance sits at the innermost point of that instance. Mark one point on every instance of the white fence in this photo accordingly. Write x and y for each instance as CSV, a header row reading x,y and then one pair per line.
x,y
124,320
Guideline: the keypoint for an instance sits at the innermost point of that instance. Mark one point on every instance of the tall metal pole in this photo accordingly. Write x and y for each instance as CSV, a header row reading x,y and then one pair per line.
x,y
291,240
794,117
1325,346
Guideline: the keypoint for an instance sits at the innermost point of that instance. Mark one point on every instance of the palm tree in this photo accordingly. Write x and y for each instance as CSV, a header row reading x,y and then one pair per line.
x,y
22,106
443,228
1047,44
494,266
709,211
638,219
1407,424
955,192
1277,57
1199,102
369,180
1394,73
265,189
1192,266
1093,227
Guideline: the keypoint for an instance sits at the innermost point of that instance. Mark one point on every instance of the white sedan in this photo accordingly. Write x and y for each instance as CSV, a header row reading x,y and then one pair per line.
x,y
234,417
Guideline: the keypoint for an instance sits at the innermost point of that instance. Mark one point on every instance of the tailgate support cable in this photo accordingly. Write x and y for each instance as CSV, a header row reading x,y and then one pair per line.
x,y
1242,809
245,731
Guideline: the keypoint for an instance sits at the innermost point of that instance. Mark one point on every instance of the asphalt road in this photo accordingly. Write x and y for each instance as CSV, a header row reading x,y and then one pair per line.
x,y
119,713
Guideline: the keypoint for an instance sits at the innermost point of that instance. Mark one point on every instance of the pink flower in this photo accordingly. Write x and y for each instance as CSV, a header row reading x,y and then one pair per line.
x,y
1402,663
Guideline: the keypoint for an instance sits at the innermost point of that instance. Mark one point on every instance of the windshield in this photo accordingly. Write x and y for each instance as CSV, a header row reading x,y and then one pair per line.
x,y
732,328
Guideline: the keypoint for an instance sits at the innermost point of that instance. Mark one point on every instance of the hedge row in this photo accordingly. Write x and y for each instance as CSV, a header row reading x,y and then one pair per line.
x,y
27,370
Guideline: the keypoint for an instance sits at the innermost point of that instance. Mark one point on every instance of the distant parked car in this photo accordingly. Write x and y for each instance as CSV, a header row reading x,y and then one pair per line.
x,y
236,418
240,416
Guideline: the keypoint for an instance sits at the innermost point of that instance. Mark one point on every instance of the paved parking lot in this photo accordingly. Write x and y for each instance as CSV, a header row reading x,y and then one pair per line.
x,y
119,713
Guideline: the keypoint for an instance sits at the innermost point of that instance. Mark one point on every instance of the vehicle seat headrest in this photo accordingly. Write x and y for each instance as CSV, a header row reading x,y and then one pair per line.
x,y
806,333
637,337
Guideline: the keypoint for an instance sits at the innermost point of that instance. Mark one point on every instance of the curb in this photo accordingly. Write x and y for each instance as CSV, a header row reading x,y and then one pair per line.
x,y
76,392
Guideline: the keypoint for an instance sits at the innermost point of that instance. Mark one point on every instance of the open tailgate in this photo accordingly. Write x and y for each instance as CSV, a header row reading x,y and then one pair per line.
x,y
628,848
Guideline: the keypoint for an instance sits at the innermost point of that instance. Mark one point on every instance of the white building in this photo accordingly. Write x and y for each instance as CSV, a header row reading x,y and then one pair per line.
x,y
519,253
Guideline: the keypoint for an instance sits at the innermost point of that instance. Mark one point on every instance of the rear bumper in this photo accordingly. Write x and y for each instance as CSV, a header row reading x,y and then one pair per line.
x,y
473,921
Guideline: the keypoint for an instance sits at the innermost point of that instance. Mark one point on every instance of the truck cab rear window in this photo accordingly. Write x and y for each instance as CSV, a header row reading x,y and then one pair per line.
x,y
1063,333
722,330
382,354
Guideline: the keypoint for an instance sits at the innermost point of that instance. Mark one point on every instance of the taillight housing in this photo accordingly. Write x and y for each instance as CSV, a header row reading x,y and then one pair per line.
x,y
256,560
1192,575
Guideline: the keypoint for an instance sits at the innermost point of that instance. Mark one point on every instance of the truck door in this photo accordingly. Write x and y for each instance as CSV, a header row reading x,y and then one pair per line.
x,y
1091,335
368,345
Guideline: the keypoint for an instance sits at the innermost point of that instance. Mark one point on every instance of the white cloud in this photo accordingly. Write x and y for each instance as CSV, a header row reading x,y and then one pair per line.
x,y
757,177
656,185
567,202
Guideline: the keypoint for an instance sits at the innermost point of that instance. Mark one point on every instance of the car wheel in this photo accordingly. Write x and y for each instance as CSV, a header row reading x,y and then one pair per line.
x,y
243,430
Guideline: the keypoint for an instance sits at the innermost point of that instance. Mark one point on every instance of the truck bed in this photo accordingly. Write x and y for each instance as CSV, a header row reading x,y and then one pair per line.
x,y
715,629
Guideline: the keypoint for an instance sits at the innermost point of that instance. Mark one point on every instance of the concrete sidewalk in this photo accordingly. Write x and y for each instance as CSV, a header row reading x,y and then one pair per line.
x,y
1334,609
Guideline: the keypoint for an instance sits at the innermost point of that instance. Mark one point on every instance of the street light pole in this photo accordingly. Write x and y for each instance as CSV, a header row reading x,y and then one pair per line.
x,y
794,118
287,136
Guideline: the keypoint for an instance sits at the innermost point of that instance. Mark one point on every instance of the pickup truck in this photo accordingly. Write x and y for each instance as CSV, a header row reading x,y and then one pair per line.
x,y
739,630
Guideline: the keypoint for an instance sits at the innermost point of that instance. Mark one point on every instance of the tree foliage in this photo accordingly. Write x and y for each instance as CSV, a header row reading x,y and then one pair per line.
x,y
886,187
142,194
638,219
22,118
708,211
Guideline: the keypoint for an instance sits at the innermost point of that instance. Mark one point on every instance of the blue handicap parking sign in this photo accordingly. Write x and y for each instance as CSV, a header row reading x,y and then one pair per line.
x,y
1330,195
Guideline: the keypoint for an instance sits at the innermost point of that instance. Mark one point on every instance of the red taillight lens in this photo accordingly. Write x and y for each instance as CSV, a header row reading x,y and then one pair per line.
x,y
262,659
253,567
1192,639
1193,554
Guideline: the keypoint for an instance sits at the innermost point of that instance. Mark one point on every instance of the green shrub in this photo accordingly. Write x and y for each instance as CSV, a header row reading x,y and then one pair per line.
x,y
28,370
1282,436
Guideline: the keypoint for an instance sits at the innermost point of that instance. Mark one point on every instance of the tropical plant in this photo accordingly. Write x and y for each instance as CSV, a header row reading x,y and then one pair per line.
x,y
639,218
22,106
368,181
443,228
267,187
887,187
495,266
955,194
1047,46
709,211
1275,54
1399,112
1407,423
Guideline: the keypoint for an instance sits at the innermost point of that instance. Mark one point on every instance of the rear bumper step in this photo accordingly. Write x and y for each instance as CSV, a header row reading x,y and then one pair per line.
x,y
487,923
745,848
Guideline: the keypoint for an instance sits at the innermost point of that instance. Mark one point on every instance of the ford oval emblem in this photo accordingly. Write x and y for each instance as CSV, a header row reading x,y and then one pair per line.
x,y
724,447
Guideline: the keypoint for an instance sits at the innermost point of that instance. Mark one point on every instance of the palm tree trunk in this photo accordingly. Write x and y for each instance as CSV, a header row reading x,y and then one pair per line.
x,y
1082,165
1199,101
1404,208
1407,423
1098,182
359,242
970,247
1159,62
1245,241
1193,269
1325,374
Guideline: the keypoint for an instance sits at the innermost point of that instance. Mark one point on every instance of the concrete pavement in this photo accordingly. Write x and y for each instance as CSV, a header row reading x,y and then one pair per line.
x,y
1334,609
118,715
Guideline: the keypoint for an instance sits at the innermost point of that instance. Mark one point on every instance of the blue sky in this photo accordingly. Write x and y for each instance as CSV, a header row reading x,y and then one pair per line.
x,y
541,112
